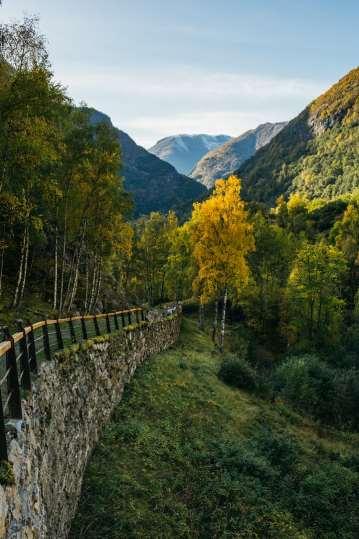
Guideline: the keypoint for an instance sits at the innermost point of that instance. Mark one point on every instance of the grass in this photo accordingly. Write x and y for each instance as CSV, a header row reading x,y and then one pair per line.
x,y
187,456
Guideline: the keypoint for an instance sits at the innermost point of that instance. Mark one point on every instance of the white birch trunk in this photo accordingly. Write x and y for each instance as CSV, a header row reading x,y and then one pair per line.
x,y
98,286
19,277
86,284
93,286
223,323
215,322
24,274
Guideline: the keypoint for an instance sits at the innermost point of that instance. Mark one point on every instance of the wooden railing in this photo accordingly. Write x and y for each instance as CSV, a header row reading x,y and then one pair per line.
x,y
22,353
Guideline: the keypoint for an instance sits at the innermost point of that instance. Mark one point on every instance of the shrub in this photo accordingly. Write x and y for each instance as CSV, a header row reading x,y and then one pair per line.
x,y
330,395
237,373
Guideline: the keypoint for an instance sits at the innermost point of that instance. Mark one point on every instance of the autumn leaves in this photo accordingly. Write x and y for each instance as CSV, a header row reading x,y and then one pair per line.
x,y
222,237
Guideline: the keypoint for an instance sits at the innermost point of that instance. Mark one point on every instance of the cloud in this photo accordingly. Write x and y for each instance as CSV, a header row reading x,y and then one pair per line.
x,y
184,81
152,128
151,104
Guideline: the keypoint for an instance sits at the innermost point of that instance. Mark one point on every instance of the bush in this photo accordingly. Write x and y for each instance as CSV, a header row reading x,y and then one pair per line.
x,y
237,373
330,395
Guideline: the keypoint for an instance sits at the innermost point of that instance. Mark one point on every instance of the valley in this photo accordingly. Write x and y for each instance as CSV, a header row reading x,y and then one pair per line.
x,y
210,279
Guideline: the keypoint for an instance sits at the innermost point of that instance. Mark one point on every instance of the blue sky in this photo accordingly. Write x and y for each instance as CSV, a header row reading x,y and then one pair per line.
x,y
165,67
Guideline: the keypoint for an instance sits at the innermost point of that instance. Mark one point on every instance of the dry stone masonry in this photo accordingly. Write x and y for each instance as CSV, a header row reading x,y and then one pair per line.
x,y
72,400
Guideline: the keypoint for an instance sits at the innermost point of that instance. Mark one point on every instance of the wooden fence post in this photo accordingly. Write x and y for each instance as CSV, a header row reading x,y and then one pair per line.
x,y
97,329
3,443
13,386
84,329
32,350
116,322
45,334
60,341
24,360
108,325
72,330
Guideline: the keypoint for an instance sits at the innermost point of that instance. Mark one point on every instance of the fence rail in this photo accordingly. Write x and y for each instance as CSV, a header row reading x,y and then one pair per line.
x,y
22,353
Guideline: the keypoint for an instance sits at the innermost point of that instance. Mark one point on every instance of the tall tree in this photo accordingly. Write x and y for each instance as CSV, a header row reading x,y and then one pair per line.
x,y
221,237
314,294
151,251
346,236
30,107
22,45
181,269
270,266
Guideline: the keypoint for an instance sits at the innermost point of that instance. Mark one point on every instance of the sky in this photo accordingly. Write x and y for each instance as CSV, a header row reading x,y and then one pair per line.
x,y
164,67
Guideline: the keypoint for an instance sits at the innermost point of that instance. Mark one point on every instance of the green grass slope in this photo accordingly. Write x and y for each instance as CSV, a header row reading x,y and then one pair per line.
x,y
316,154
187,456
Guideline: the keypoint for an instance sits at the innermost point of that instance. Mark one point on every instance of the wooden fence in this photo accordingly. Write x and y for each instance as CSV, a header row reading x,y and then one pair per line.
x,y
22,353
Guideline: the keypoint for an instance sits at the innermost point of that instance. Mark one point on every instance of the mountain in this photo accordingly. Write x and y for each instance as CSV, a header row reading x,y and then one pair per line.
x,y
219,162
183,151
316,154
155,185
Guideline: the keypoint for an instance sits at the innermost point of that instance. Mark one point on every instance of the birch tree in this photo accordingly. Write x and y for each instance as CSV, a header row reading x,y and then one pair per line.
x,y
221,238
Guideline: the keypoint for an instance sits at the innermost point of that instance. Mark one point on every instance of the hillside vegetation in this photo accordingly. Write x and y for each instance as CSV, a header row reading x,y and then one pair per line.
x,y
316,154
186,455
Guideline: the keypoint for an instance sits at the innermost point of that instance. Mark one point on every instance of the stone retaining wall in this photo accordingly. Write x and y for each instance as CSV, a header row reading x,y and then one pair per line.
x,y
72,400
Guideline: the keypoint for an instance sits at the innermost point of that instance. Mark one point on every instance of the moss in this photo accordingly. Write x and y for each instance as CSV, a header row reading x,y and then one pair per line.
x,y
71,353
7,477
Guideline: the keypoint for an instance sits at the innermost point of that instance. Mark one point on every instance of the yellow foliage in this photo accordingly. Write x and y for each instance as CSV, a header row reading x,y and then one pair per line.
x,y
221,238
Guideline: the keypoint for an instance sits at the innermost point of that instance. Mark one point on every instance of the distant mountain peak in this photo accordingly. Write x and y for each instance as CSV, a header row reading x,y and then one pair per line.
x,y
185,150
223,160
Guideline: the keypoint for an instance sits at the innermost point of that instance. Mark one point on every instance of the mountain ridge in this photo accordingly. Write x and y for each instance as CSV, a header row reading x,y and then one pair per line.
x,y
154,184
183,151
316,154
220,162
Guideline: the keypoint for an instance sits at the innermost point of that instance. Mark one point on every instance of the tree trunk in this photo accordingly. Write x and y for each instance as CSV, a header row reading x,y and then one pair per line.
x,y
24,275
20,272
215,322
201,315
54,304
70,280
74,275
98,287
86,283
62,281
93,285
223,324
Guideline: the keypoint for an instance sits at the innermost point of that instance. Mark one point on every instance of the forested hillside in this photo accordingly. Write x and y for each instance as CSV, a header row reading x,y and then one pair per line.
x,y
316,154
154,184
66,239
62,201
